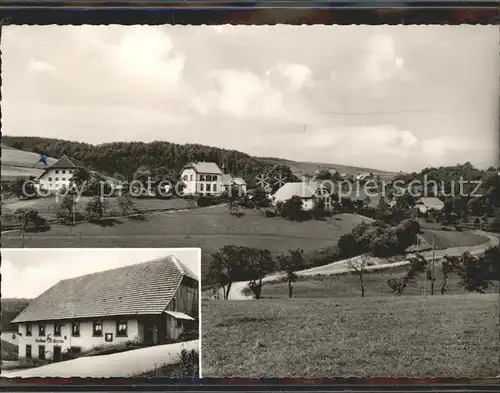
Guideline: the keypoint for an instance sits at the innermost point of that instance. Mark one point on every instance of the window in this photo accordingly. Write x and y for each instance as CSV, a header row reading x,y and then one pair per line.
x,y
41,329
63,171
28,329
184,177
215,187
179,324
57,179
63,179
28,351
191,177
41,352
50,179
75,329
57,329
201,187
121,328
202,177
208,178
57,170
208,187
97,330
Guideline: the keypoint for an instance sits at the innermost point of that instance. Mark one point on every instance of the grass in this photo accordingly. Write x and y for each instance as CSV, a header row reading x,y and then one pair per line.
x,y
48,207
209,229
347,285
438,336
188,368
9,351
448,239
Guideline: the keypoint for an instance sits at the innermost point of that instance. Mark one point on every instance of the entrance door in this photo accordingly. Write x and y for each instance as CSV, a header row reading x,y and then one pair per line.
x,y
41,352
57,354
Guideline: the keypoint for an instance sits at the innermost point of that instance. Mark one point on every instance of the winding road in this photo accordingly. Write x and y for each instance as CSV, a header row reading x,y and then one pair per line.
x,y
341,267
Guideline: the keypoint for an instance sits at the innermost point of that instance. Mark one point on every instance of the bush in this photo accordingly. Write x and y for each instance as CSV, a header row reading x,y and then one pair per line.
x,y
205,201
270,213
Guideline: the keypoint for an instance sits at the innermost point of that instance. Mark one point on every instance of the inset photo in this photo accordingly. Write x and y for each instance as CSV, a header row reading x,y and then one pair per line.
x,y
100,313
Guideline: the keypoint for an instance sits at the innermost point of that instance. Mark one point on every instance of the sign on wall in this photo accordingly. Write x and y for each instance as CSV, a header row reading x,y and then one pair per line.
x,y
50,340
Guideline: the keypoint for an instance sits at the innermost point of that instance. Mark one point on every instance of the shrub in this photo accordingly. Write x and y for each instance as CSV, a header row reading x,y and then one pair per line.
x,y
205,201
270,213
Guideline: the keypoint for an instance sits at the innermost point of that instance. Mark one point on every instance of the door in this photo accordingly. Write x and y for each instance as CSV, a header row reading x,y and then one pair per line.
x,y
57,354
41,352
28,351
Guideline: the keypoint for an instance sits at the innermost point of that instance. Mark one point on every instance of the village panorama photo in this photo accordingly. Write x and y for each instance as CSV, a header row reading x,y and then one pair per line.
x,y
100,313
342,183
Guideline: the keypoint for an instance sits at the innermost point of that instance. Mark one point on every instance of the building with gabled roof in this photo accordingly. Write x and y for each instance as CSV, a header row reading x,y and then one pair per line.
x,y
59,174
425,204
202,178
309,192
147,303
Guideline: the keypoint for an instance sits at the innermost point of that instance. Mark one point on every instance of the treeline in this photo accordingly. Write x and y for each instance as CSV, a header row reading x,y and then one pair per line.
x,y
125,158
11,308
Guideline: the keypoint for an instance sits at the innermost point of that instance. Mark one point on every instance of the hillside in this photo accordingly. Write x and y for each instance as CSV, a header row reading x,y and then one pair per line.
x,y
126,157
11,307
307,168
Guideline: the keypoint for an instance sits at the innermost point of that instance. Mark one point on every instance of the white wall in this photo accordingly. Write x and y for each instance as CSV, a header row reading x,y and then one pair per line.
x,y
196,186
85,341
48,179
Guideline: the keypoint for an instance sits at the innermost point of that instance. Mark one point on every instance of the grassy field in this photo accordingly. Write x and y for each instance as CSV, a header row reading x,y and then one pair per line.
x,y
438,336
9,351
208,228
448,239
347,285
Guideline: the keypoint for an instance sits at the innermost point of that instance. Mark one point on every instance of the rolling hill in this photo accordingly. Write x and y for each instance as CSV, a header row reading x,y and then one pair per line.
x,y
19,164
126,157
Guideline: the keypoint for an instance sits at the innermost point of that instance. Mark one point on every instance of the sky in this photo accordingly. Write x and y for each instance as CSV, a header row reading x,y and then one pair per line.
x,y
27,273
385,97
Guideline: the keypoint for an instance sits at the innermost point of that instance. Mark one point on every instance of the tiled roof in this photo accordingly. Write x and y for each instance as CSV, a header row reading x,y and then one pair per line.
x,y
144,288
205,167
67,162
227,179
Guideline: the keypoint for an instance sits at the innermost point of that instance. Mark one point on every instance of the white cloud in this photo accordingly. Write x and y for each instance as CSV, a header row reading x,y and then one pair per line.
x,y
40,66
382,61
298,75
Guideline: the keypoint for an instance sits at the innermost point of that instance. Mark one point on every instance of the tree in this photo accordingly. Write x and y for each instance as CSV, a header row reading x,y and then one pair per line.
x,y
358,266
225,267
292,209
81,177
126,203
96,208
418,264
68,206
290,264
30,220
476,272
449,265
258,263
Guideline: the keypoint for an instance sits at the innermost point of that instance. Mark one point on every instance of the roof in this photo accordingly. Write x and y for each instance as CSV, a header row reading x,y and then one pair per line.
x,y
239,181
431,202
301,189
205,167
144,288
179,315
67,162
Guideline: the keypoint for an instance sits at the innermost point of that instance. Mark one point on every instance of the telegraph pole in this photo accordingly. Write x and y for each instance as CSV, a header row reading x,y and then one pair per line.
x,y
433,258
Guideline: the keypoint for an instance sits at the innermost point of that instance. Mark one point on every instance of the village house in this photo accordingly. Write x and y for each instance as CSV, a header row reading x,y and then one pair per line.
x,y
229,182
59,174
202,178
147,303
309,192
425,204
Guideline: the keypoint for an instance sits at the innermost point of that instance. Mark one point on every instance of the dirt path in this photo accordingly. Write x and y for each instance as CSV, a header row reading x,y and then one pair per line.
x,y
340,267
123,364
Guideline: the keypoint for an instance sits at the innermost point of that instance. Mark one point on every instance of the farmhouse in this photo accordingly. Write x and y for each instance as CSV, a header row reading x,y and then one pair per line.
x,y
310,193
148,303
59,174
235,182
202,178
429,203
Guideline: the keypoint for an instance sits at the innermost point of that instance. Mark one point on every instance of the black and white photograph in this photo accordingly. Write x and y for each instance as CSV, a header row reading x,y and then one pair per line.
x,y
342,183
100,313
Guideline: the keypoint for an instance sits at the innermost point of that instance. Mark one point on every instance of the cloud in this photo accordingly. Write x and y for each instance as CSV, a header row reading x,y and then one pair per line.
x,y
382,61
298,75
40,66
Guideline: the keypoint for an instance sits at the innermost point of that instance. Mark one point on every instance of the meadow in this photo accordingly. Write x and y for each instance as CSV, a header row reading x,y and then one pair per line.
x,y
432,336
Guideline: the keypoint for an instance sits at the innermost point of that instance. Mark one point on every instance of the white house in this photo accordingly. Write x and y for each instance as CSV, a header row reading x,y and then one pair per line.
x,y
228,181
146,303
425,204
202,178
59,174
309,192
